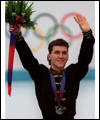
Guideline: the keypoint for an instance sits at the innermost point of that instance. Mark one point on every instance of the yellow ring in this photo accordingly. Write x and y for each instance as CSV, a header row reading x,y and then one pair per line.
x,y
41,41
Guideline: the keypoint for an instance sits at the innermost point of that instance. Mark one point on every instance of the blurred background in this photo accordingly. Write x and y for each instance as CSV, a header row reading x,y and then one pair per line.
x,y
23,102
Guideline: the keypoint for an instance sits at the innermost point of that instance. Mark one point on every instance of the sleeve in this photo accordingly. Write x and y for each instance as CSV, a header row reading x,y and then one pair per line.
x,y
85,55
29,62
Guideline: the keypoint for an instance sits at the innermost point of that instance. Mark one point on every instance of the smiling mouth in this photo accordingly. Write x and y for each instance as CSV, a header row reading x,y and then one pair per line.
x,y
60,61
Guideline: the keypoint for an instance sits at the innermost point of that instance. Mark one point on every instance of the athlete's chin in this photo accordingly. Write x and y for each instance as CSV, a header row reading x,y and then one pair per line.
x,y
61,66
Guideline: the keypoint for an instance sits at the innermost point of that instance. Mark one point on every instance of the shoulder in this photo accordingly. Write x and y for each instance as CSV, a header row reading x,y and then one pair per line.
x,y
69,67
44,68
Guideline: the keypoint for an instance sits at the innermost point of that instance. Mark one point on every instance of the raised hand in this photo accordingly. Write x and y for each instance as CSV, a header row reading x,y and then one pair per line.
x,y
11,28
83,24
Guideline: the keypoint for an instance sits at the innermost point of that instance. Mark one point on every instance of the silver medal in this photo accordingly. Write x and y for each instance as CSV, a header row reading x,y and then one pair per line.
x,y
60,110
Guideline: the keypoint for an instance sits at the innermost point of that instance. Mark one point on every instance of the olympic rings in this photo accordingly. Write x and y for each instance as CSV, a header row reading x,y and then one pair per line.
x,y
41,42
48,15
54,28
52,31
64,32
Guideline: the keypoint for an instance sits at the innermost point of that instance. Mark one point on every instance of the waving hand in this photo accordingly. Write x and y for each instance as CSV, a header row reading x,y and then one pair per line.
x,y
83,24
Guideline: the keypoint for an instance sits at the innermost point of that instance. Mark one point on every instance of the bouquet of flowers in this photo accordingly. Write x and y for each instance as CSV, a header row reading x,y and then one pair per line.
x,y
16,12
19,12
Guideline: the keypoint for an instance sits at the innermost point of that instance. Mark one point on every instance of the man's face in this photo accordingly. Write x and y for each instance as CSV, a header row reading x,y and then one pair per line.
x,y
58,57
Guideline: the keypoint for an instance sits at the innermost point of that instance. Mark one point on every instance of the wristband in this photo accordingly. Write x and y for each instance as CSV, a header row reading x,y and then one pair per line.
x,y
87,34
18,36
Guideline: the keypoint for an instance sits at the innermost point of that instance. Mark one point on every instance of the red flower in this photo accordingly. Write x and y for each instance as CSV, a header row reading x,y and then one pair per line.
x,y
19,19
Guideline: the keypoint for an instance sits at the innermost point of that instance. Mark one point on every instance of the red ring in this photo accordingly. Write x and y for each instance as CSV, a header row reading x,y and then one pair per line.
x,y
64,32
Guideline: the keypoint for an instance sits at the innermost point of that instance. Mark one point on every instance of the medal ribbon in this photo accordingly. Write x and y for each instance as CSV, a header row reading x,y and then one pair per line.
x,y
11,54
63,80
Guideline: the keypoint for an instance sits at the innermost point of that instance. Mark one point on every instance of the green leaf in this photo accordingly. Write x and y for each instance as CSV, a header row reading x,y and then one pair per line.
x,y
9,7
18,6
23,14
13,6
28,9
14,14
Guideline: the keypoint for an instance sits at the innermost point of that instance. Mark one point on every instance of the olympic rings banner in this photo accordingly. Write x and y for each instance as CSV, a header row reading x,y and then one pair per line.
x,y
52,24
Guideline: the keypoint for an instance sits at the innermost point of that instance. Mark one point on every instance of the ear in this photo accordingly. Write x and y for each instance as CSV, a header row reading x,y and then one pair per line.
x,y
49,58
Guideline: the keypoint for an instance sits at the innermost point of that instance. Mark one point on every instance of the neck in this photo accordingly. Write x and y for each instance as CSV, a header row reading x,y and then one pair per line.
x,y
58,69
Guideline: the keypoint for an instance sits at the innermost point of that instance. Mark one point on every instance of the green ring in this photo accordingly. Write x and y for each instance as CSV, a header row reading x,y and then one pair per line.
x,y
54,28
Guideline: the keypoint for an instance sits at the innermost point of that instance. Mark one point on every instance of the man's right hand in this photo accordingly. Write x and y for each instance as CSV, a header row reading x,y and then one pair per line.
x,y
11,28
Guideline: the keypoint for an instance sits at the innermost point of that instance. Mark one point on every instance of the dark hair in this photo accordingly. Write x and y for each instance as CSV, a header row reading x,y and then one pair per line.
x,y
57,42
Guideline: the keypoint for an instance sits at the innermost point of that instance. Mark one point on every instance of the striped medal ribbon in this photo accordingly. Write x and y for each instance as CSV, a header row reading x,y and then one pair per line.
x,y
59,109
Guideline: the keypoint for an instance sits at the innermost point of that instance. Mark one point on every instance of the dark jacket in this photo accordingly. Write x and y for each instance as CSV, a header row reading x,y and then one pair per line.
x,y
41,76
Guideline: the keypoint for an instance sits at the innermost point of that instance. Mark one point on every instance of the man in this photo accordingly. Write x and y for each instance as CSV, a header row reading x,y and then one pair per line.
x,y
57,87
